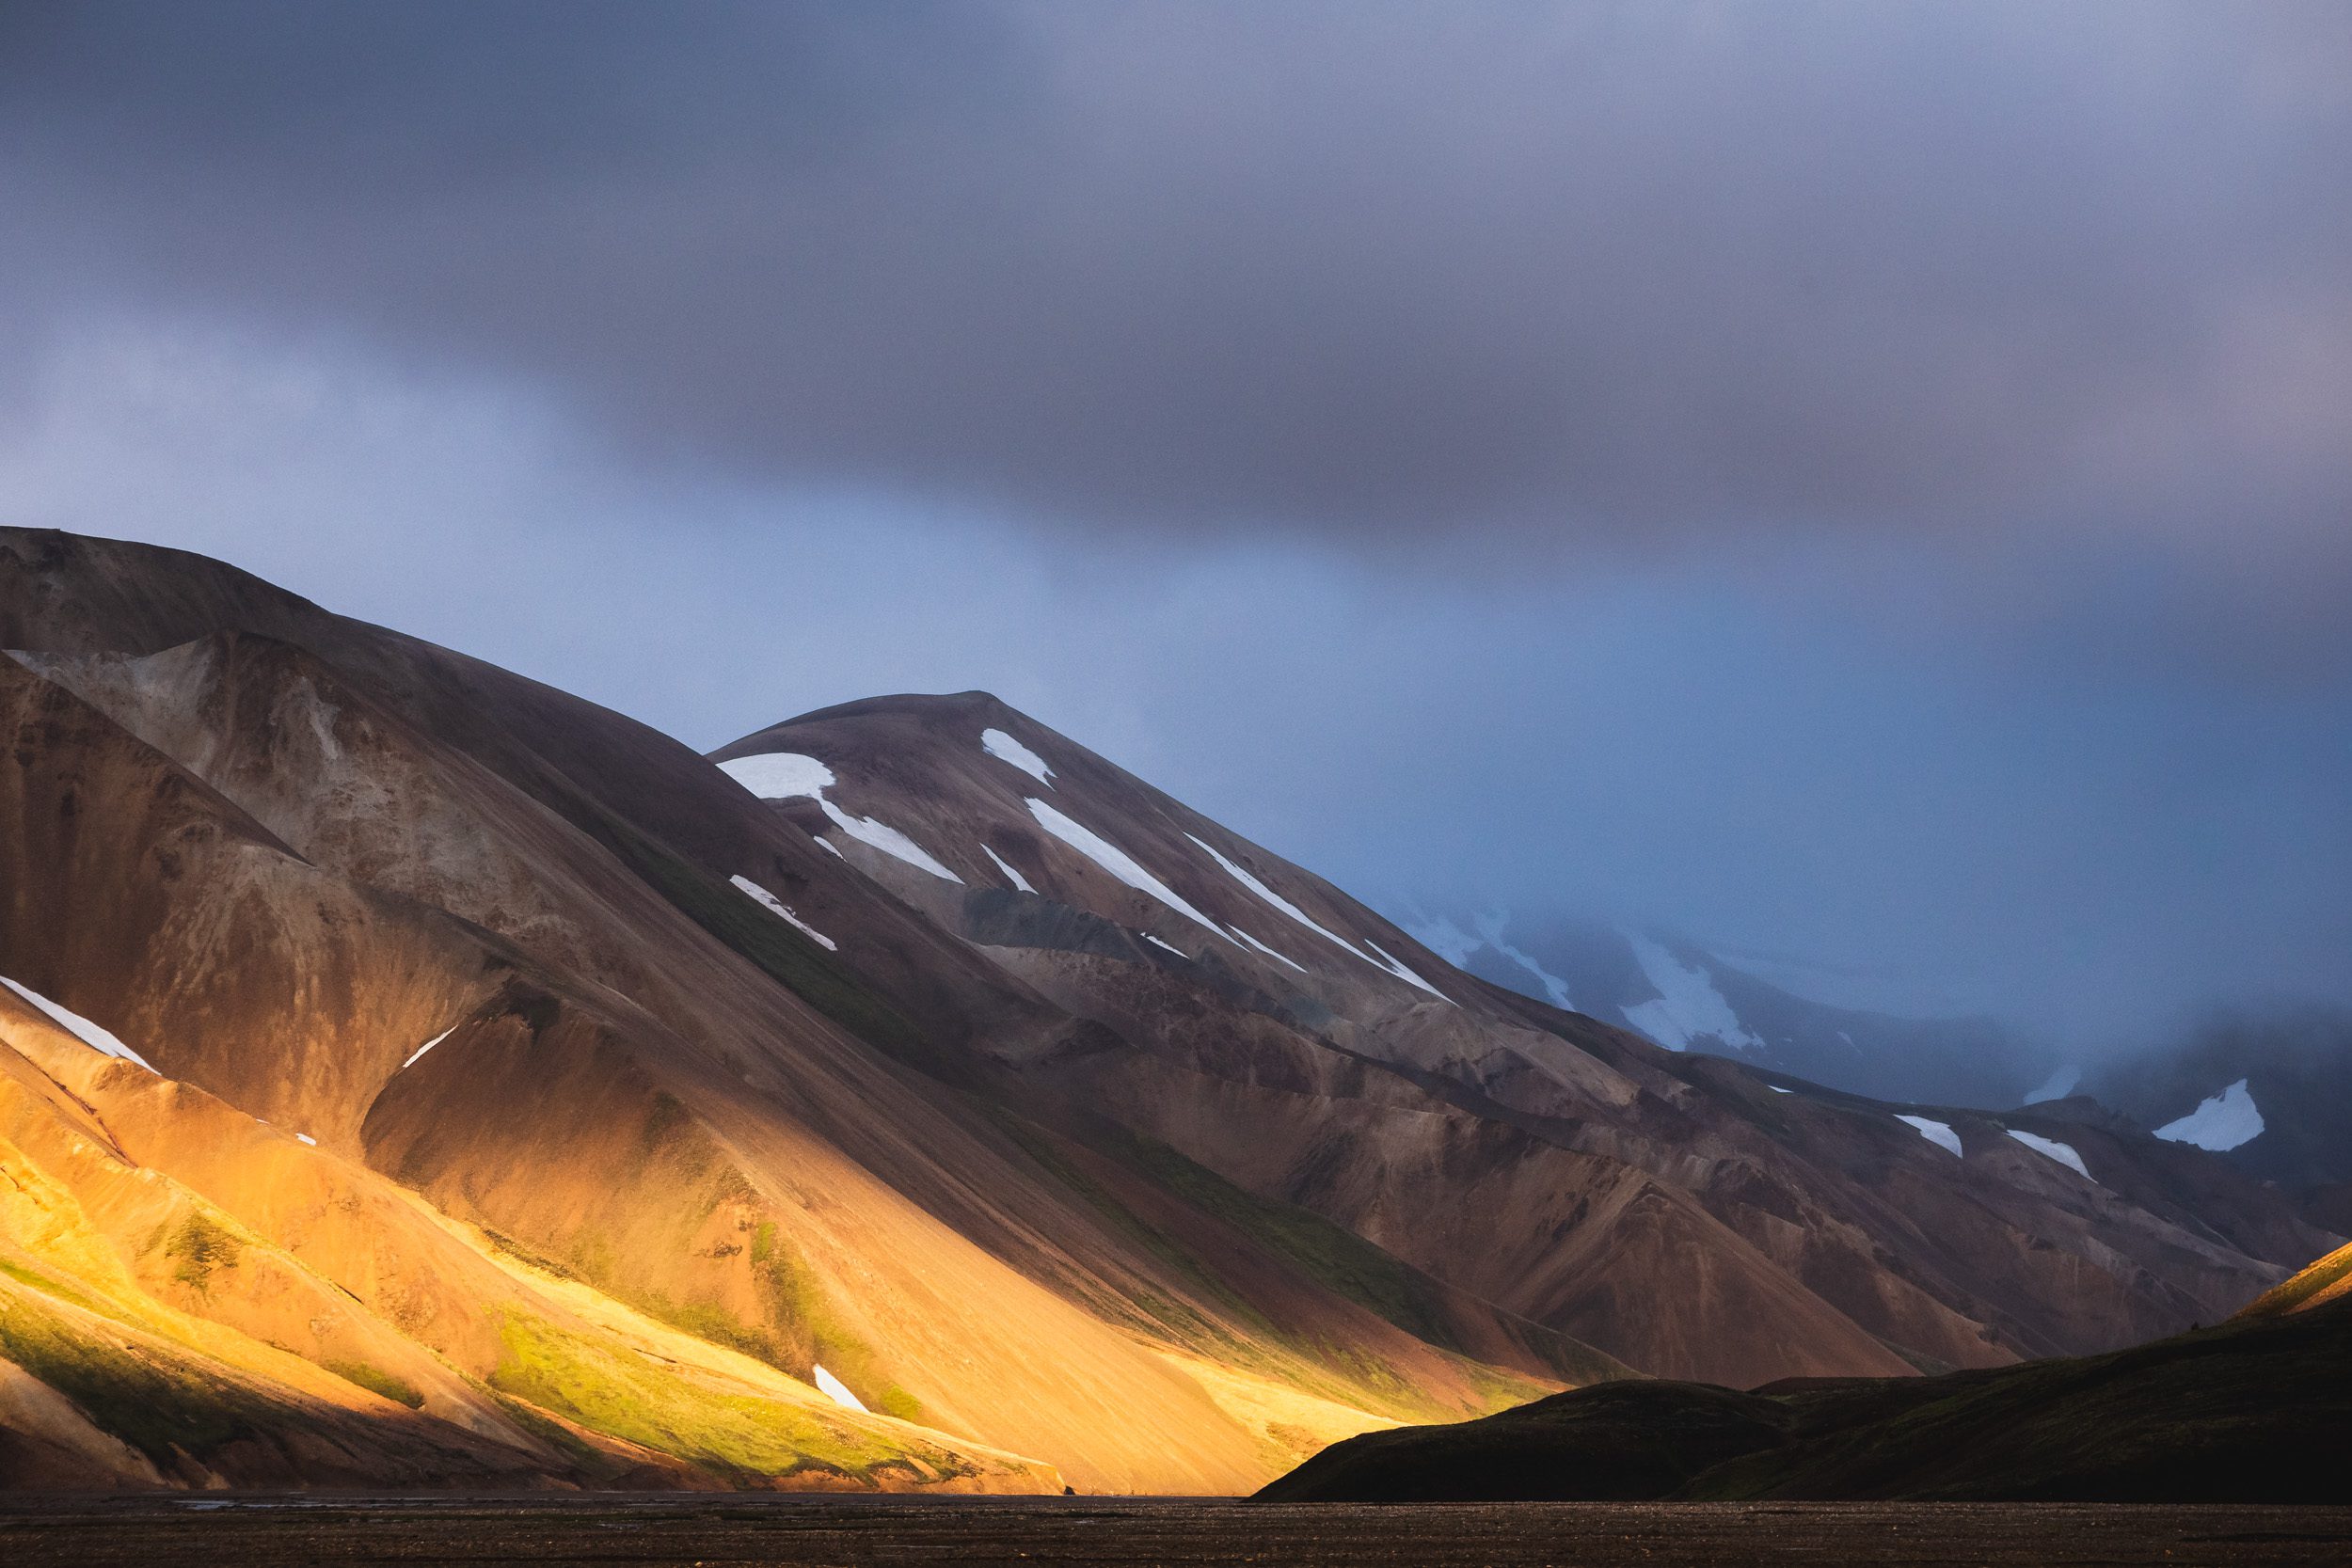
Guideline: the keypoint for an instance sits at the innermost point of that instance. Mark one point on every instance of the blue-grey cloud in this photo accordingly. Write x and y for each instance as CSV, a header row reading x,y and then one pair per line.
x,y
1800,761
1360,269
1869,482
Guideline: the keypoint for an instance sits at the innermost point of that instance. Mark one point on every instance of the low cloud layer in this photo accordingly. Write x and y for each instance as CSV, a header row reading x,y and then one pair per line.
x,y
1358,270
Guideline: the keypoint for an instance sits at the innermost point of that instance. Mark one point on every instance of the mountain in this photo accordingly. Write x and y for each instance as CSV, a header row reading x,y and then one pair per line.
x,y
2248,1411
2270,1092
413,1075
1685,996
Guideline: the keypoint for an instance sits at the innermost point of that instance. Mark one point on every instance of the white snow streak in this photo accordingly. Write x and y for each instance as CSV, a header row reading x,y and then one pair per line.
x,y
1777,1089
1453,944
1396,966
1688,1006
1490,927
2063,1153
889,840
773,905
1170,946
1003,748
305,1138
1111,858
1937,1133
1241,875
427,1046
837,1390
96,1037
783,775
1268,951
1019,881
2222,1121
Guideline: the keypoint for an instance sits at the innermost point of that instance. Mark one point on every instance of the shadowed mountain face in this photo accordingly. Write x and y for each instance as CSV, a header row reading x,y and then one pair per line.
x,y
411,1074
2249,1412
2270,1093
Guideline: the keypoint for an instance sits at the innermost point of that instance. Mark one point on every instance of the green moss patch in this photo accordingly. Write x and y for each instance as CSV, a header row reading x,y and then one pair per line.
x,y
197,1247
642,1401
376,1380
153,1405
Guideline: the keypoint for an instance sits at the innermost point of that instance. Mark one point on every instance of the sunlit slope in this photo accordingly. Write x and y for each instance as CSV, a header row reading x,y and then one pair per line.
x,y
271,1314
2322,1281
318,887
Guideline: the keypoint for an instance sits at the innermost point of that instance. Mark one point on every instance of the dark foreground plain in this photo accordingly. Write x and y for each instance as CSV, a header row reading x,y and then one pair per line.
x,y
255,1531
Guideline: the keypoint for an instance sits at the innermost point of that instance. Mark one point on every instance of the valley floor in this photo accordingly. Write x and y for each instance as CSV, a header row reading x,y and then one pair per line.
x,y
620,1529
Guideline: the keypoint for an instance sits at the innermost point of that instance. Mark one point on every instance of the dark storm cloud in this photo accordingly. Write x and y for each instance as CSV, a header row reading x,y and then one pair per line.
x,y
1355,269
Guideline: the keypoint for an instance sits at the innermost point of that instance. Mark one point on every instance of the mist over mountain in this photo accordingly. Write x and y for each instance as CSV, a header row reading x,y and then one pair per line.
x,y
1679,994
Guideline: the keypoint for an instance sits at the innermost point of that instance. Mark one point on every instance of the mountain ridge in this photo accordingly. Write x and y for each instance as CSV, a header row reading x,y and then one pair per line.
x,y
1156,1175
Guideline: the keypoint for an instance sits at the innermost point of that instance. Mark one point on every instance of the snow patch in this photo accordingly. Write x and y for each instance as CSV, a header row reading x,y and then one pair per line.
x,y
1170,946
787,775
1445,938
1019,881
1003,748
889,840
837,1390
829,846
2221,1122
1491,927
2057,1086
1241,875
1396,966
427,1046
780,775
1777,1089
2063,1153
1111,858
1688,1006
96,1037
1940,1133
773,905
305,1138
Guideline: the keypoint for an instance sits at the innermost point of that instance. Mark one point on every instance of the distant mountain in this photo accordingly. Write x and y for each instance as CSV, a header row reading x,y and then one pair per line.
x,y
1681,995
412,1075
2271,1092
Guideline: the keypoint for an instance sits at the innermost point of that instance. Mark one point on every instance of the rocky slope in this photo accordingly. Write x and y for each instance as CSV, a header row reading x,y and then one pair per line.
x,y
413,1075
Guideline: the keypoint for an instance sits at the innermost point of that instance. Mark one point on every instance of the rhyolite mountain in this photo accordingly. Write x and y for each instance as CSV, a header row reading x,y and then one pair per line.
x,y
1687,996
413,1075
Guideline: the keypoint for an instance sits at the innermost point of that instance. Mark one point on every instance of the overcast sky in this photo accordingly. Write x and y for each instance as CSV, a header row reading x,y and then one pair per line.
x,y
1865,482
